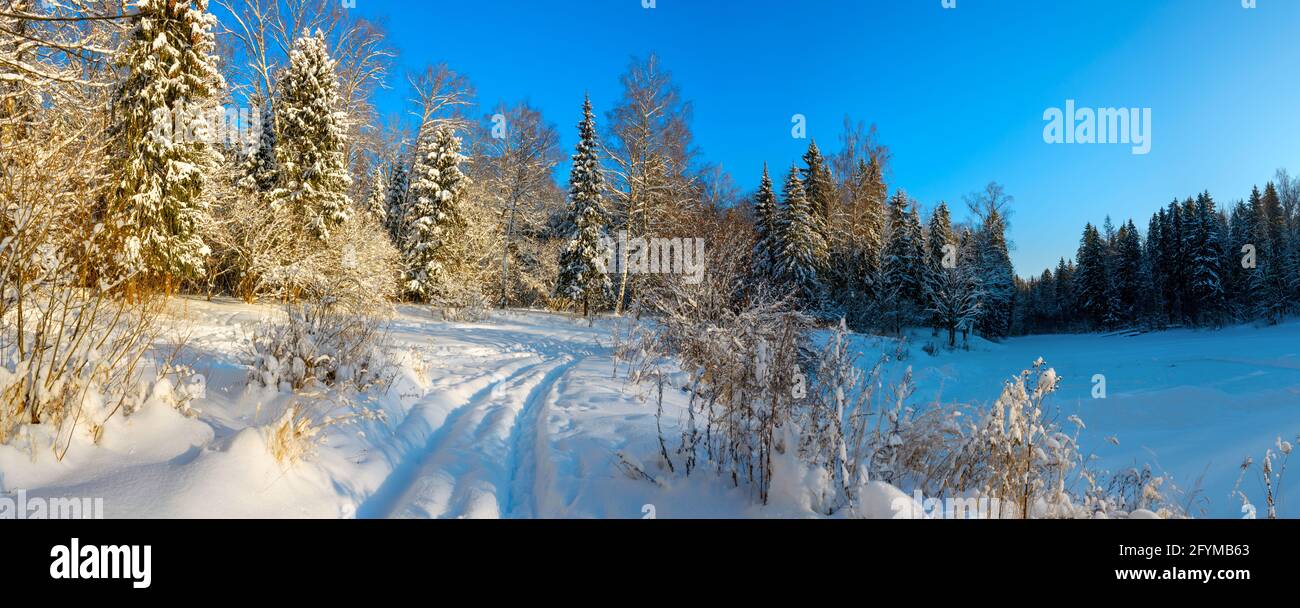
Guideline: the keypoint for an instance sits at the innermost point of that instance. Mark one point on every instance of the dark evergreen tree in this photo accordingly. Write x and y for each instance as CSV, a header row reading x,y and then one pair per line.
x,y
1207,294
996,277
819,187
767,245
1090,281
901,265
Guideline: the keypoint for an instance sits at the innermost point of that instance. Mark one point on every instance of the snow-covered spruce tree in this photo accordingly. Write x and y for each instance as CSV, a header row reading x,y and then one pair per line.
x,y
1271,281
819,187
377,202
434,252
399,183
583,279
1130,275
258,171
902,268
939,239
1206,256
996,276
803,250
939,243
766,244
159,140
1090,285
312,139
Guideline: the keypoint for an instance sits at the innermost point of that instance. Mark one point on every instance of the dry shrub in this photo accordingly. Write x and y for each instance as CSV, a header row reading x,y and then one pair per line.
x,y
759,393
302,428
264,255
73,340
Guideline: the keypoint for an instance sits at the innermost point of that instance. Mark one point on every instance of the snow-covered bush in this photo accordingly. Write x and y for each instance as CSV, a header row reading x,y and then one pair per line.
x,y
767,410
356,270
73,343
318,344
744,378
472,308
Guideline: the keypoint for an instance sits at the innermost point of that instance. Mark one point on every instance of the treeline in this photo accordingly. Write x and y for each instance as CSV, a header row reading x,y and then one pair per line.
x,y
1198,264
845,249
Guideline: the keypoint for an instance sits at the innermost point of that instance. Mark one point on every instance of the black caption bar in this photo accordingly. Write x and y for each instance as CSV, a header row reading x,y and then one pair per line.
x,y
173,558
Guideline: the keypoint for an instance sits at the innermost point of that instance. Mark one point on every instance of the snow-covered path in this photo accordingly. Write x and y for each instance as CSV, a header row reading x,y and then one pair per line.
x,y
471,467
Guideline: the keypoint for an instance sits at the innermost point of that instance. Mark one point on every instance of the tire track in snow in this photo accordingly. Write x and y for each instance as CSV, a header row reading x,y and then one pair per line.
x,y
528,443
471,471
425,414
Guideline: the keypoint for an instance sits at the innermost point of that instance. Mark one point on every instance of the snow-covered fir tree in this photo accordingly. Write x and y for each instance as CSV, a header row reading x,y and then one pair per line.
x,y
160,142
399,183
996,276
799,261
583,279
767,245
902,265
939,244
435,254
1206,256
819,188
1270,283
1090,283
314,180
259,172
939,238
377,201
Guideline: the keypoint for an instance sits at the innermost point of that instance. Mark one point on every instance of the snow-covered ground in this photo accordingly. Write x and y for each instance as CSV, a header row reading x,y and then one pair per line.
x,y
1193,404
521,416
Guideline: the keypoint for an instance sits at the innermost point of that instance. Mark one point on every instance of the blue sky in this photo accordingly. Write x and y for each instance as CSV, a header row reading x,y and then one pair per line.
x,y
957,94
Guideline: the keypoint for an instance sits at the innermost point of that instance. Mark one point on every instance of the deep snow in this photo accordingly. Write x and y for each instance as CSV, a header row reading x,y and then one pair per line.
x,y
521,416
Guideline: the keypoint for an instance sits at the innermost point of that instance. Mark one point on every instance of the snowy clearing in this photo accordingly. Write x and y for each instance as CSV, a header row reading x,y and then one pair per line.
x,y
520,416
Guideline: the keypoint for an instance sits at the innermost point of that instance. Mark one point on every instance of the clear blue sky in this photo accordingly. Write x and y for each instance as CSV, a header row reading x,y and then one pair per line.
x,y
957,94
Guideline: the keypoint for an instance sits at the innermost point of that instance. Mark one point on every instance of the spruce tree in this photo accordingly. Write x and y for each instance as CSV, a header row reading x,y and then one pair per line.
x,y
160,142
819,187
1206,259
377,202
1065,297
1272,278
583,277
802,247
1153,299
399,183
901,268
997,277
1090,281
312,140
767,245
1129,272
938,238
435,253
259,171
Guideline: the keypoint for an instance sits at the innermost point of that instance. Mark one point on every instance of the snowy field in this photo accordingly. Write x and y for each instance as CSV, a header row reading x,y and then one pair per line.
x,y
520,416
